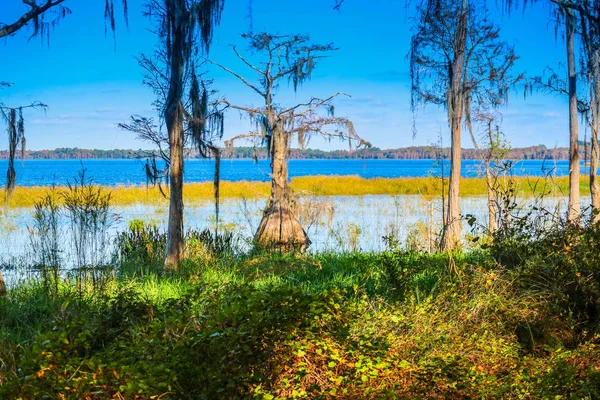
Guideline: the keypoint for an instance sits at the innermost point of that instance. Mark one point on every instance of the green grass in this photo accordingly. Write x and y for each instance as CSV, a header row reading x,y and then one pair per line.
x,y
343,326
317,186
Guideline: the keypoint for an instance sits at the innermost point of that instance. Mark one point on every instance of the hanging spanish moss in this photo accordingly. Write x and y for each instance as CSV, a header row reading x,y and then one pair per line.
x,y
185,29
207,14
109,17
44,16
15,128
16,138
156,176
205,128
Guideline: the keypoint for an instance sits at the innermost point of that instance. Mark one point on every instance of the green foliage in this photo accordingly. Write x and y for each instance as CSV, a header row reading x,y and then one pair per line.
x,y
275,326
143,246
563,265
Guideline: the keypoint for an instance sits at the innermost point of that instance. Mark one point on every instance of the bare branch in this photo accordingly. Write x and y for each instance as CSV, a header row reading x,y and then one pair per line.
x,y
241,78
249,110
35,12
314,103
261,72
145,129
338,4
229,142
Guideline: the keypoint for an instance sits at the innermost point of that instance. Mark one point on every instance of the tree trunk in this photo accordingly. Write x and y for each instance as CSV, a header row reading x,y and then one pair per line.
x,y
279,228
574,210
492,214
455,98
2,286
452,230
174,121
489,180
594,154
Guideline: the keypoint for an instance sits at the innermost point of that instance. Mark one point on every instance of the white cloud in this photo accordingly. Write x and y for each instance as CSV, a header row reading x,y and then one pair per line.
x,y
67,116
49,121
104,109
552,114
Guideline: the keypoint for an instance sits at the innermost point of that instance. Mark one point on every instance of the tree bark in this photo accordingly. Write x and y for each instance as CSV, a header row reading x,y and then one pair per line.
x,y
489,180
2,286
492,214
174,120
452,230
594,154
279,228
574,208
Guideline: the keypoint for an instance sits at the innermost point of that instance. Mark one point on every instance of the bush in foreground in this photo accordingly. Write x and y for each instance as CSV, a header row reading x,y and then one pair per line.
x,y
391,325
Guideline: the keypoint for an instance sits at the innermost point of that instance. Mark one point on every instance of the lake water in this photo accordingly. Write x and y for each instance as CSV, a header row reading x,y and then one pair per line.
x,y
342,223
333,223
131,172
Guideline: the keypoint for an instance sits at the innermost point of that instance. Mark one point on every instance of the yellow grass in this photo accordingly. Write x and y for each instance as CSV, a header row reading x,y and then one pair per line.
x,y
313,185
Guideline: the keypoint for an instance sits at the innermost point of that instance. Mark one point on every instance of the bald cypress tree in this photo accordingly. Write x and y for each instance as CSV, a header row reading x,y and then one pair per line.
x,y
581,18
588,13
457,60
292,59
186,28
567,14
202,122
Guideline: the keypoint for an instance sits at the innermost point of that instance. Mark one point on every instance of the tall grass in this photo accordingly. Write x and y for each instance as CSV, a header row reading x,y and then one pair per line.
x,y
316,186
46,239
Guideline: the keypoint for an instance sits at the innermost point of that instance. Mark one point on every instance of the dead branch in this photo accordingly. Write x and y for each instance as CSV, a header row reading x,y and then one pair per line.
x,y
32,15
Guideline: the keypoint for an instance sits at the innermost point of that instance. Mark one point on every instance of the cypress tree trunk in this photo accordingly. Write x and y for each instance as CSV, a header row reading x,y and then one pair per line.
x,y
594,154
174,121
279,228
452,231
574,211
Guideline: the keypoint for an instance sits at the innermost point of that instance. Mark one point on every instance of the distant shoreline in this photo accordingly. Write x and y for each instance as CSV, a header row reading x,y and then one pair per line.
x,y
540,152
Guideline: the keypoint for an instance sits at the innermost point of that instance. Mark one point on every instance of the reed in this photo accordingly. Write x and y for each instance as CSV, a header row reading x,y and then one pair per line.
x,y
316,186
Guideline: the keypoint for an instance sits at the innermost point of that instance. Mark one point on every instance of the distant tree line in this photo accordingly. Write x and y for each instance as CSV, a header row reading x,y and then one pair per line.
x,y
539,152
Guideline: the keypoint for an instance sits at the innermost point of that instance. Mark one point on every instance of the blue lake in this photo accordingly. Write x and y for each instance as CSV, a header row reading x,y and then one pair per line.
x,y
131,172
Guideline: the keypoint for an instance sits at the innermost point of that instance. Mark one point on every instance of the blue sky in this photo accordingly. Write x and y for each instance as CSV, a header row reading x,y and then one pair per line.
x,y
90,86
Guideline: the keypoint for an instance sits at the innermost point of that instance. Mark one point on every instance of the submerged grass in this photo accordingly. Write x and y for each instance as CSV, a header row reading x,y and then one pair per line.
x,y
316,186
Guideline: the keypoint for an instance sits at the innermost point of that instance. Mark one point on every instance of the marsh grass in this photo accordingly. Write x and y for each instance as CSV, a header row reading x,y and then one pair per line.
x,y
88,210
430,187
46,239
